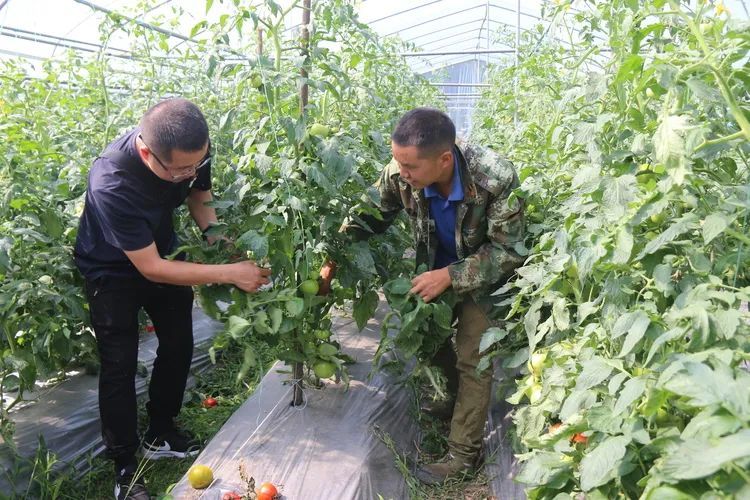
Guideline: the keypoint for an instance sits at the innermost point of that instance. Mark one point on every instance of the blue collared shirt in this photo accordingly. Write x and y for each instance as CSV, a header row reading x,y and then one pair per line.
x,y
443,212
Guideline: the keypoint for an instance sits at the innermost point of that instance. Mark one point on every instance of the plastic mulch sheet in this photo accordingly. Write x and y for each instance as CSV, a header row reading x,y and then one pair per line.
x,y
66,416
329,447
333,445
501,464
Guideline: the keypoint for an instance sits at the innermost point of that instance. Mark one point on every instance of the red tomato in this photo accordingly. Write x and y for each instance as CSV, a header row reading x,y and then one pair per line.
x,y
231,495
554,428
579,438
267,491
209,402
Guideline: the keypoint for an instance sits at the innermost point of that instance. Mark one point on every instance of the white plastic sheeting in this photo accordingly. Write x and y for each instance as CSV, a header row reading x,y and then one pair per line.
x,y
332,446
67,415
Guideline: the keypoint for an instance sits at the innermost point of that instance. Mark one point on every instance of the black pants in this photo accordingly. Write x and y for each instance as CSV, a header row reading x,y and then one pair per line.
x,y
114,305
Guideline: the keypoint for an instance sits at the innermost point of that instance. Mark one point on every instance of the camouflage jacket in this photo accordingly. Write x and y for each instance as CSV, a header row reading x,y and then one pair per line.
x,y
489,226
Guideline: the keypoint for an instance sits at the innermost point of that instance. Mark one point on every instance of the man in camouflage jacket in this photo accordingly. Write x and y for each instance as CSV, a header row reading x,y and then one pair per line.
x,y
468,229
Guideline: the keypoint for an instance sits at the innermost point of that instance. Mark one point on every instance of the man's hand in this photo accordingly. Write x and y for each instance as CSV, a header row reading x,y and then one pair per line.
x,y
431,284
327,272
248,276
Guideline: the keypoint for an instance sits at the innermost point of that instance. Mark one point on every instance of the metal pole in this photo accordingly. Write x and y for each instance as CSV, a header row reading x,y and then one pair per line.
x,y
457,53
260,41
297,369
518,51
449,84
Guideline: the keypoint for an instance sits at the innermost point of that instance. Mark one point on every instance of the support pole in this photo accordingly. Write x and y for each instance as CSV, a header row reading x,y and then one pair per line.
x,y
297,369
518,57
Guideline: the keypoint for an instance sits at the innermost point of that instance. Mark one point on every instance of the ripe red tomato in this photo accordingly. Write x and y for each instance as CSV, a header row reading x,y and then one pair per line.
x,y
209,402
231,495
267,491
579,438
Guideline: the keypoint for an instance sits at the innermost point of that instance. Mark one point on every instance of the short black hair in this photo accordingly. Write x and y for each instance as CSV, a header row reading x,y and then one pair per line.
x,y
430,130
174,124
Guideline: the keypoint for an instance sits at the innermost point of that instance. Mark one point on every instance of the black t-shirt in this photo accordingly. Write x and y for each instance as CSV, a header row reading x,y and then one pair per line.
x,y
128,207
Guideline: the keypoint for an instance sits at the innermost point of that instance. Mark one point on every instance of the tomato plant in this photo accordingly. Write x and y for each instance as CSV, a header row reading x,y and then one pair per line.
x,y
293,175
632,143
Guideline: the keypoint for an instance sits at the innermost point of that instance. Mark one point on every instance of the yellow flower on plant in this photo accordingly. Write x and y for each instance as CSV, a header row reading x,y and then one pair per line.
x,y
721,8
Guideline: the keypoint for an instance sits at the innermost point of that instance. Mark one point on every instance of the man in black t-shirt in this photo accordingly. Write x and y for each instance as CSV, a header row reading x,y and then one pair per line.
x,y
125,233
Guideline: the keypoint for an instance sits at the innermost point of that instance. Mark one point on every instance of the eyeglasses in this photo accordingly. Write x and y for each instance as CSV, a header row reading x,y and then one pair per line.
x,y
181,173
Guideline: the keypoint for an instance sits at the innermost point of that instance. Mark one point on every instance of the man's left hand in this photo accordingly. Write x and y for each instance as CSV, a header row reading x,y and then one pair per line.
x,y
431,284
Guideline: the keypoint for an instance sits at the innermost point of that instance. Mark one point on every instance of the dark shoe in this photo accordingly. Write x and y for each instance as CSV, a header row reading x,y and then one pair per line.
x,y
129,486
441,409
170,444
447,467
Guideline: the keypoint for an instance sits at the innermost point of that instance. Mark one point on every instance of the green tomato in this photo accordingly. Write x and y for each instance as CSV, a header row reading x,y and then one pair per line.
x,y
658,218
322,334
324,369
319,130
535,394
536,363
309,287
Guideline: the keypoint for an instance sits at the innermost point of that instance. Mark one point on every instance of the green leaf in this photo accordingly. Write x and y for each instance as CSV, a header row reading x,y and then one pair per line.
x,y
601,465
669,142
490,337
631,340
727,321
623,246
295,306
361,258
398,286
560,314
364,308
668,493
672,334
619,192
632,390
630,67
700,457
542,468
255,242
706,425
637,321
237,327
442,315
276,316
714,225
663,278
685,223
595,371
315,174
705,387
575,402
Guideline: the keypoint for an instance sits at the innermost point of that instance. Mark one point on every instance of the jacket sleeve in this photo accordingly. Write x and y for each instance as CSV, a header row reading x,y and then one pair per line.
x,y
496,259
376,218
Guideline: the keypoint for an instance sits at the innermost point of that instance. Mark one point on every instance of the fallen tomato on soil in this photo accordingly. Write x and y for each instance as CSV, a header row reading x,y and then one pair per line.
x,y
267,491
200,476
209,402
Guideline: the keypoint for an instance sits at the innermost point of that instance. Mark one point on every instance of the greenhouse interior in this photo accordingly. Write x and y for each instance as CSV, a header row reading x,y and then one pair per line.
x,y
360,249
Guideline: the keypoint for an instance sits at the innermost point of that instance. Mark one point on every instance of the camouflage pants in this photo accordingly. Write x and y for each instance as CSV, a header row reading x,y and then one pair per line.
x,y
472,391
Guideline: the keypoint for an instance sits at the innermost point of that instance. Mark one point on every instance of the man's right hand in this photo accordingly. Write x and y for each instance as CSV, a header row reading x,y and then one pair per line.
x,y
248,276
327,272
